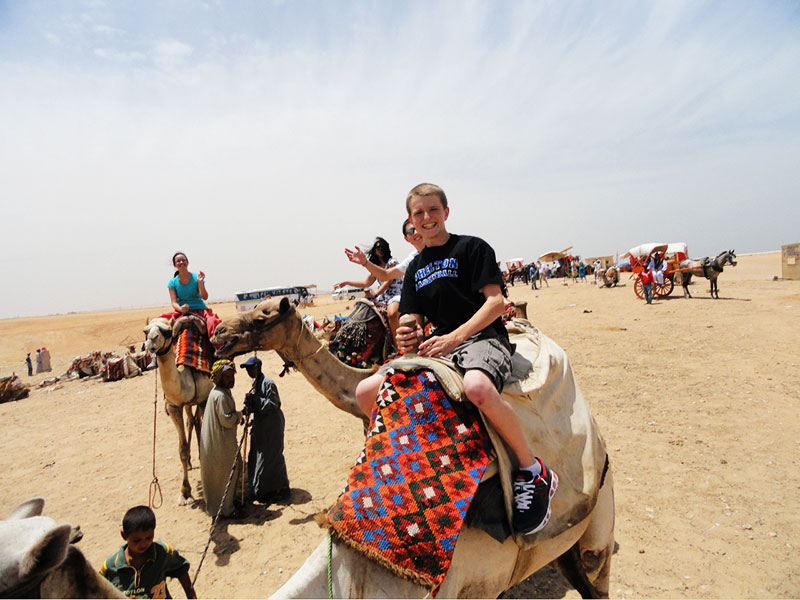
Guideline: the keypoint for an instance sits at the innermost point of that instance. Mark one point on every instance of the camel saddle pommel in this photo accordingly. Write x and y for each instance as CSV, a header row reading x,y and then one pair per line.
x,y
187,321
554,417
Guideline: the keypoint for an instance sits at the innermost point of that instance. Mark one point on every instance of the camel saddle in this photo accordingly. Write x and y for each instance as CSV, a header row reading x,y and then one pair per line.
x,y
556,422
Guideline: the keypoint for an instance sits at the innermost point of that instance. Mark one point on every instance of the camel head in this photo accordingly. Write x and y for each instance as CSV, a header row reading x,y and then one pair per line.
x,y
158,335
263,328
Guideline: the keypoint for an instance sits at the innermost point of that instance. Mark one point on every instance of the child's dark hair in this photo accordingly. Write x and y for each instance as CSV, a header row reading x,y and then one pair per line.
x,y
138,518
372,255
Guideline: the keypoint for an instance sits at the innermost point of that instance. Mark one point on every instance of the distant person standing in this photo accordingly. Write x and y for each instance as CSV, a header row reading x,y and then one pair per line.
x,y
45,353
266,467
544,274
534,275
38,361
29,364
647,284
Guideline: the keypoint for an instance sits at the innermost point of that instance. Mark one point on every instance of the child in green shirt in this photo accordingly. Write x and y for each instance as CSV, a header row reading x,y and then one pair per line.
x,y
141,566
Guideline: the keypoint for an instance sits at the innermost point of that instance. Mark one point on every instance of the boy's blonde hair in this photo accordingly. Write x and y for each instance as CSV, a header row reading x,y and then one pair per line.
x,y
425,189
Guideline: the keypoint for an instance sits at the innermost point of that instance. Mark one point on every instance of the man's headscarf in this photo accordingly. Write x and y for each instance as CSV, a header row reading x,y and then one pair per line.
x,y
216,370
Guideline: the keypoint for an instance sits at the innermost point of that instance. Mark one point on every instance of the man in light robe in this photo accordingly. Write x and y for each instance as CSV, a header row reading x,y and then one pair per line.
x,y
219,452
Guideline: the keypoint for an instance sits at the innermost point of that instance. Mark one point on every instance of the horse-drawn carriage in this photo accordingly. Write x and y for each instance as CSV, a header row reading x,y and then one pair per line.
x,y
669,257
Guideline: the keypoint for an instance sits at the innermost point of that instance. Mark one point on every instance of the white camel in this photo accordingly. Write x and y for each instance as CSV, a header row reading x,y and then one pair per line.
x,y
38,561
184,388
481,567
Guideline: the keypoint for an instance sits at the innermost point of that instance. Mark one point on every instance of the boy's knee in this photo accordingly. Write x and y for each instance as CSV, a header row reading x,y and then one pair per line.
x,y
479,387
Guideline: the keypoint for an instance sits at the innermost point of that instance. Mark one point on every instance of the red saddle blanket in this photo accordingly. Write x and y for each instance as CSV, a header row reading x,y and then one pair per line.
x,y
409,491
193,349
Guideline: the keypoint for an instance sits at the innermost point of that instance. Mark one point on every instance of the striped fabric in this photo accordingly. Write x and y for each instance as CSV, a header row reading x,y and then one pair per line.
x,y
194,350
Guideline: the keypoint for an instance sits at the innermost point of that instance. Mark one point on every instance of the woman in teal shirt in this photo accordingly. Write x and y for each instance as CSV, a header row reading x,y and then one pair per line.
x,y
187,292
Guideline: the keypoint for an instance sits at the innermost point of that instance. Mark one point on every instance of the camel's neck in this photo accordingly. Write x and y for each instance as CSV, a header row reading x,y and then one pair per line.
x,y
173,384
329,376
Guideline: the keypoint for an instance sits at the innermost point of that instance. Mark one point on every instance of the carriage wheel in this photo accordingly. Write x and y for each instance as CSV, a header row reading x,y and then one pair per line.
x,y
666,289
638,289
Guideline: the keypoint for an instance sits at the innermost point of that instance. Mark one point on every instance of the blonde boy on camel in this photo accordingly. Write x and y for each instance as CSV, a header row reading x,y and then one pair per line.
x,y
455,283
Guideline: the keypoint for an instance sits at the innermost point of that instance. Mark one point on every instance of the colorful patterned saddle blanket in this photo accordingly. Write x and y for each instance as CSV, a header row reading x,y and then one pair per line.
x,y
408,493
192,346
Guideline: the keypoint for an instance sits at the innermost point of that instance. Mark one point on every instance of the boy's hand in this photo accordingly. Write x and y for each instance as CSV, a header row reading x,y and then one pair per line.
x,y
438,345
407,338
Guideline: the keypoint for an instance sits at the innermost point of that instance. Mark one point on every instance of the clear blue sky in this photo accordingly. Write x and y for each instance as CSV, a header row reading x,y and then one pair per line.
x,y
261,138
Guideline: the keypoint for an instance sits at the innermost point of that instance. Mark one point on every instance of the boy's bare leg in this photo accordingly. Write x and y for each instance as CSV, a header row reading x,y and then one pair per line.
x,y
481,392
367,392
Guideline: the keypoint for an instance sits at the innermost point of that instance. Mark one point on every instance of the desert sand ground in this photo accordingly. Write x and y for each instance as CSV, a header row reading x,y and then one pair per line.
x,y
697,401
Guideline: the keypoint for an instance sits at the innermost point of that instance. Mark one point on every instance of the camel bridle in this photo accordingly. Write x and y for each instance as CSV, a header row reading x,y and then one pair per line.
x,y
168,339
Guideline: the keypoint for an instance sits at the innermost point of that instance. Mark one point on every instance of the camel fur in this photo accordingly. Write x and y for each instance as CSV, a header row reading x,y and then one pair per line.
x,y
581,537
38,560
184,388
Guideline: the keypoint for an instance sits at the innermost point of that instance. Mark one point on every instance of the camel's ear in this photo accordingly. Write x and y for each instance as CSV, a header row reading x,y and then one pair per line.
x,y
284,305
47,553
30,508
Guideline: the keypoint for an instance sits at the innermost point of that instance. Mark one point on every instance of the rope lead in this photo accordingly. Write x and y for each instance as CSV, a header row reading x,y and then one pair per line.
x,y
222,502
330,560
155,487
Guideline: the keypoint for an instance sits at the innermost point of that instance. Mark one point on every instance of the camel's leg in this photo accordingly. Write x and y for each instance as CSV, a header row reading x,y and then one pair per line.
x,y
176,414
199,411
188,419
587,565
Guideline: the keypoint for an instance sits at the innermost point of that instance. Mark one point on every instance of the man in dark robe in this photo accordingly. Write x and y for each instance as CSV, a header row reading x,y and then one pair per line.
x,y
266,467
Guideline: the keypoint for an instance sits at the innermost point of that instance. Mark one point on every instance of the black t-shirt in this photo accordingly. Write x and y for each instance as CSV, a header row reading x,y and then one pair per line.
x,y
443,283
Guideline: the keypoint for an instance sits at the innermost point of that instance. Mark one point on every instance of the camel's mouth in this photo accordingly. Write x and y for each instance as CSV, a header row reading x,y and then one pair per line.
x,y
223,348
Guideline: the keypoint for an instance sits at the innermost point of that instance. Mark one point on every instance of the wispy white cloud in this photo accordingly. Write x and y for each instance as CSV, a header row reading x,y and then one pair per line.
x,y
170,54
283,137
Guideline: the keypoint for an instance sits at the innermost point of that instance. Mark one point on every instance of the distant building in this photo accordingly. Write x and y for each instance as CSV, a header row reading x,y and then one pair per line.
x,y
790,261
606,261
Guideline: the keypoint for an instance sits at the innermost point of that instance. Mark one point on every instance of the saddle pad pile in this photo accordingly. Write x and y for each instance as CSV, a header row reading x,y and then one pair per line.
x,y
361,340
194,350
408,493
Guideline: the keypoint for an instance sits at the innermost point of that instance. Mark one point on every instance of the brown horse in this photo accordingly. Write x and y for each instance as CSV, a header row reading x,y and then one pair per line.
x,y
708,268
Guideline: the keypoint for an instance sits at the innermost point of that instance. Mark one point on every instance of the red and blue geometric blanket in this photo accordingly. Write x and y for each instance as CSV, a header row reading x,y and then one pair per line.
x,y
193,349
409,491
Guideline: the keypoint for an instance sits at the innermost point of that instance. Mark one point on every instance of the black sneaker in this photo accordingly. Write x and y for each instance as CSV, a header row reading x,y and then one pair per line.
x,y
532,496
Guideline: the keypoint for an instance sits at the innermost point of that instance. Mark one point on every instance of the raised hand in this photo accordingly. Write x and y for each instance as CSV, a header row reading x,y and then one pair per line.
x,y
356,256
